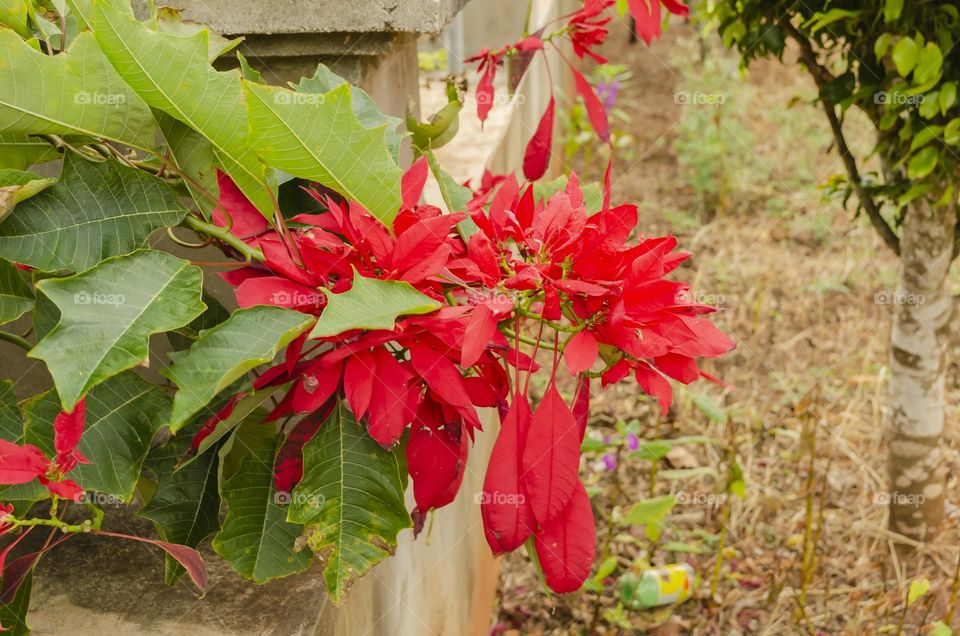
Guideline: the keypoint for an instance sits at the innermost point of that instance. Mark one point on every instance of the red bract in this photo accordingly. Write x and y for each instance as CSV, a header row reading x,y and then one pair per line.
x,y
646,15
588,28
20,464
538,275
537,156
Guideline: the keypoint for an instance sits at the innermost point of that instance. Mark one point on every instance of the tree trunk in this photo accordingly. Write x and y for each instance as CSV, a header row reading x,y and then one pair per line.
x,y
918,348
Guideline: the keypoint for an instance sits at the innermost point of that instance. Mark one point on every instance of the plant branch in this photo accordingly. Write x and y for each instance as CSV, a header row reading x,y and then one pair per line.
x,y
20,341
222,235
822,77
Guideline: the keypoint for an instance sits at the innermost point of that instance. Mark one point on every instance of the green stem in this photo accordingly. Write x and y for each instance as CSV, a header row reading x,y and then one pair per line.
x,y
222,235
550,323
21,342
526,339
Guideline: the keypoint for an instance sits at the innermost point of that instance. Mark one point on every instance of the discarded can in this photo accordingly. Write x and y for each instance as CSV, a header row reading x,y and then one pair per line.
x,y
655,587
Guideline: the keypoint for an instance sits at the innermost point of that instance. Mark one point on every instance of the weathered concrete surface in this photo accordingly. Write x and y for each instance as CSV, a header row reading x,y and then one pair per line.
x,y
234,17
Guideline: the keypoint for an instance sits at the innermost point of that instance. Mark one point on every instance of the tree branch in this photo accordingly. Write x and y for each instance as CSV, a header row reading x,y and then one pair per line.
x,y
822,77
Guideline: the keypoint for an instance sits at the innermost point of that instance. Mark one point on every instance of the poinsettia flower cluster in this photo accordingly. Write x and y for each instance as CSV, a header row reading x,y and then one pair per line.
x,y
535,279
22,463
586,29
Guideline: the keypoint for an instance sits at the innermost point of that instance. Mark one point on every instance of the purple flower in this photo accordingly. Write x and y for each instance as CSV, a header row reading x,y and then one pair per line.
x,y
608,93
610,461
633,442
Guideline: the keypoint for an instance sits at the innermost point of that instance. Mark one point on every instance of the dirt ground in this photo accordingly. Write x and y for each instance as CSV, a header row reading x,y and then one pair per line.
x,y
803,288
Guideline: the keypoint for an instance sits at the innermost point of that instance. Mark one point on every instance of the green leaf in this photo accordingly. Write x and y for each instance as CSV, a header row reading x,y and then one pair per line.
x,y
891,10
351,500
688,473
947,97
366,110
13,615
256,539
22,496
929,64
951,132
649,510
123,415
186,504
922,163
370,304
930,106
250,337
194,156
19,152
170,21
306,135
711,409
940,629
214,314
95,211
905,54
16,297
14,14
925,136
108,314
77,92
17,186
243,409
882,45
918,588
187,88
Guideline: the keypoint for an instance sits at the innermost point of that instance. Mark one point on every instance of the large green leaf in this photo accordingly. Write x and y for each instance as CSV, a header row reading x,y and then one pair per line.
x,y
370,304
123,414
350,499
318,137
77,92
16,297
96,210
257,540
19,152
250,337
22,496
108,313
186,504
365,109
13,615
14,14
172,74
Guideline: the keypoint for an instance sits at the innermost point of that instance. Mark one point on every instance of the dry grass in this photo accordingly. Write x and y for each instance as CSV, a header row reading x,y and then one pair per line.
x,y
797,290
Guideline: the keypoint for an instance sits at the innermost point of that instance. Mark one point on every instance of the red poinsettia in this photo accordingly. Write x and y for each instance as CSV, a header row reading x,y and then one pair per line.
x,y
600,304
20,464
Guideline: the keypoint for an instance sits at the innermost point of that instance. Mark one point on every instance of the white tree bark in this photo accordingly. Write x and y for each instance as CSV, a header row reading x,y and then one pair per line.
x,y
923,310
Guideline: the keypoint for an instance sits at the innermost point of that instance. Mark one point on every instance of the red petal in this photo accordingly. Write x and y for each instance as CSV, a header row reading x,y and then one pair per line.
x,y
443,378
480,331
189,558
280,292
507,517
68,428
551,456
436,460
581,405
485,91
566,545
20,464
411,185
646,15
247,222
358,377
595,110
677,8
581,352
66,488
537,157
654,385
